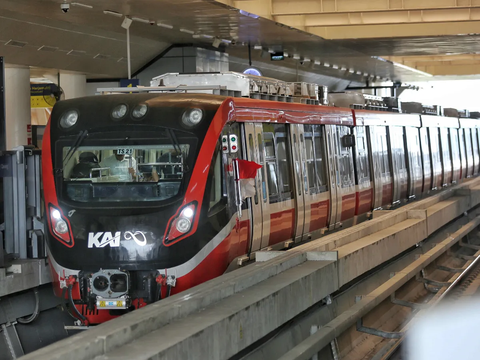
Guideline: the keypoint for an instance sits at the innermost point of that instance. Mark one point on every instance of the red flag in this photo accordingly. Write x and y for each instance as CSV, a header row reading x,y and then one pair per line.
x,y
247,169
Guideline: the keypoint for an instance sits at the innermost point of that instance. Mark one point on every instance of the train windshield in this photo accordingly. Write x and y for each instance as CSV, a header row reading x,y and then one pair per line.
x,y
124,173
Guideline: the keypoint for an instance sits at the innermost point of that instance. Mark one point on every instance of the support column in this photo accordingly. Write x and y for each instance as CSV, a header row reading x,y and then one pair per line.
x,y
73,85
17,104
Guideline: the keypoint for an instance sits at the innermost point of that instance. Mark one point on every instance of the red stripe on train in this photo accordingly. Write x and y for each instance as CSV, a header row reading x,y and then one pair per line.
x,y
281,226
319,215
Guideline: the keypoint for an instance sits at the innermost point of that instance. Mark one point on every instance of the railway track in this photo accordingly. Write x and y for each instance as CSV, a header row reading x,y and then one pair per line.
x,y
463,284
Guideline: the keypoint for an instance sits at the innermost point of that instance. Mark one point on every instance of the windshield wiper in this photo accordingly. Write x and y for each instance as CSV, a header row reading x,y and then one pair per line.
x,y
80,137
177,148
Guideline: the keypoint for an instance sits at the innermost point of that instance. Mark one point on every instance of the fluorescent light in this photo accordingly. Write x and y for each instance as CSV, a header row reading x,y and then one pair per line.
x,y
145,21
351,71
114,13
296,56
227,41
258,47
187,31
82,5
335,66
166,26
285,54
316,62
207,36
306,60
326,64
271,51
359,73
343,68
411,69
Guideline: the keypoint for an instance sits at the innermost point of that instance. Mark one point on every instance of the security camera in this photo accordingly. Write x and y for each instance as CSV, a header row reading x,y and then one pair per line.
x,y
65,7
234,42
301,62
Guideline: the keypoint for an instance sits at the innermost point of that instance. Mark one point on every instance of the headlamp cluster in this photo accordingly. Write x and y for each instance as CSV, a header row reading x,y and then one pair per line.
x,y
138,112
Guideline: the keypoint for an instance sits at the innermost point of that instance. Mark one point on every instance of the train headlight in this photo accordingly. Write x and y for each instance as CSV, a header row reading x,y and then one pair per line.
x,y
192,117
139,111
61,227
119,111
69,119
182,223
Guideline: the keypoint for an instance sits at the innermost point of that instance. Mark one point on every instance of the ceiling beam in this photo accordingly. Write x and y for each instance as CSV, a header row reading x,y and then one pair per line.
x,y
441,65
381,18
308,7
393,30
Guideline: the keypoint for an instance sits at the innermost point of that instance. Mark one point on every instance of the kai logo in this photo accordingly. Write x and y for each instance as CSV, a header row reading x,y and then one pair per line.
x,y
102,239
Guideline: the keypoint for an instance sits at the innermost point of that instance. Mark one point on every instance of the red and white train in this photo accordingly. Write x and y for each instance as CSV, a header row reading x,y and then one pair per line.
x,y
143,198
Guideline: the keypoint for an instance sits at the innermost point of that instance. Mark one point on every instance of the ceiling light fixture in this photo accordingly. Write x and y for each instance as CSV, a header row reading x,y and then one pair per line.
x,y
82,5
166,26
317,62
145,21
113,13
296,56
207,36
258,47
187,31
326,64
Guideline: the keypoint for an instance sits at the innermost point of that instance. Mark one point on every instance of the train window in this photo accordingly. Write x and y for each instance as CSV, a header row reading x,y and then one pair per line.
x,y
445,148
271,167
344,158
319,148
262,162
124,173
216,192
251,146
363,170
284,167
310,163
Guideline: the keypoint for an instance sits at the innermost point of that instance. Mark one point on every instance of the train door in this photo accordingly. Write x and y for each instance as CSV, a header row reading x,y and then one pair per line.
x,y
475,150
455,155
260,220
300,186
463,154
279,206
316,188
399,167
435,158
362,173
341,175
380,164
427,164
468,146
446,157
414,160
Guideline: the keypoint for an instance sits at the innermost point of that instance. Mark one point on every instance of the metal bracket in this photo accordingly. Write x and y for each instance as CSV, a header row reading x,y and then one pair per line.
x,y
465,257
449,269
470,246
439,284
409,304
377,332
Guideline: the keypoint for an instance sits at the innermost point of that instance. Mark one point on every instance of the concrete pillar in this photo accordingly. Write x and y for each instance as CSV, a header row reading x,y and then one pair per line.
x,y
17,103
73,85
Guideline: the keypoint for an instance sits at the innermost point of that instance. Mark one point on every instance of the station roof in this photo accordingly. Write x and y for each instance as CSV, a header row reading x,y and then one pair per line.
x,y
353,40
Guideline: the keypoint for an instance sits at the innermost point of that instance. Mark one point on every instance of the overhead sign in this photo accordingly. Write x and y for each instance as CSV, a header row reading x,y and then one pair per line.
x,y
277,56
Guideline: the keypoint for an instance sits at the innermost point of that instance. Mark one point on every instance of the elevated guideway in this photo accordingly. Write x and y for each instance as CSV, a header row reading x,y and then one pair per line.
x,y
223,317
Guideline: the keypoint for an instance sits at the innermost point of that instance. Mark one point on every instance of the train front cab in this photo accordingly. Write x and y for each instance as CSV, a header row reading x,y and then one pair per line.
x,y
306,184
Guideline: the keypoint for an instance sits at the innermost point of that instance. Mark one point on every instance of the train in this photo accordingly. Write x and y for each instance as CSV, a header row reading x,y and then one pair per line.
x,y
151,193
